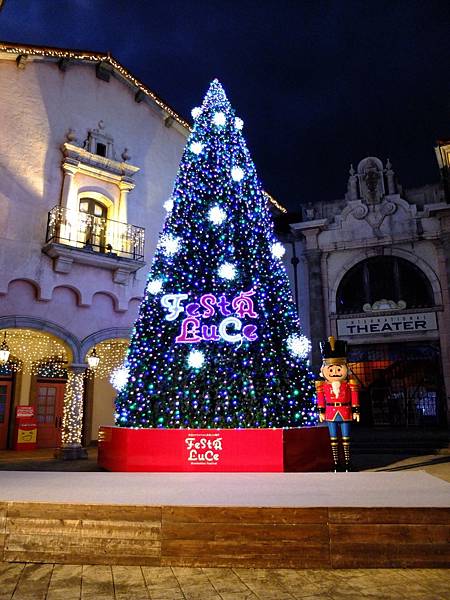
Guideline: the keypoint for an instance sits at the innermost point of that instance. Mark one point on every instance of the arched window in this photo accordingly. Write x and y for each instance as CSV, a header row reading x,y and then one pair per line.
x,y
383,278
94,223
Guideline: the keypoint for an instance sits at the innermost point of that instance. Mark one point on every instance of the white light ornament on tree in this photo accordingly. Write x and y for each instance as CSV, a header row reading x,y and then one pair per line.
x,y
196,359
219,119
154,286
217,215
299,345
237,174
119,377
196,112
278,250
196,147
170,244
168,205
238,124
227,271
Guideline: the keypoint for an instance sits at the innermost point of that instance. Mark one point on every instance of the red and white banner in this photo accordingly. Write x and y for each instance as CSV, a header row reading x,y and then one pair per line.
x,y
214,450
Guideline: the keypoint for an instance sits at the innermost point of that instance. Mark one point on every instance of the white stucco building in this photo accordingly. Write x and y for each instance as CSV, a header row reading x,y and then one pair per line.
x,y
88,156
374,269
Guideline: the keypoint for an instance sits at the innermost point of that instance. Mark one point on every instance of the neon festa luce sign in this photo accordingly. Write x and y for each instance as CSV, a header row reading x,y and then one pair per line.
x,y
231,328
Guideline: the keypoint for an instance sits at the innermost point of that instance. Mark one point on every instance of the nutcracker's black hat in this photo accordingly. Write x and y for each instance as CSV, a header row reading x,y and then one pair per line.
x,y
334,352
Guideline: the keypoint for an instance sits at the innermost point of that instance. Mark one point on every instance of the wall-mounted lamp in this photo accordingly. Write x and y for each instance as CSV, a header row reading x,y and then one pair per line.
x,y
4,351
93,359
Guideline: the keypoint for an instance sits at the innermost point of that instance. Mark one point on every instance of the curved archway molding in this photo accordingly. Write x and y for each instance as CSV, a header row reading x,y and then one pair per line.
x,y
25,322
104,334
369,253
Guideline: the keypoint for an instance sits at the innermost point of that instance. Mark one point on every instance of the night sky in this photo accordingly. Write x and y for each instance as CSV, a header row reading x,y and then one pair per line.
x,y
318,84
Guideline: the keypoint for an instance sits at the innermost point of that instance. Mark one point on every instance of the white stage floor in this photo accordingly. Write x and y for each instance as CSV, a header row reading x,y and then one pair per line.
x,y
366,489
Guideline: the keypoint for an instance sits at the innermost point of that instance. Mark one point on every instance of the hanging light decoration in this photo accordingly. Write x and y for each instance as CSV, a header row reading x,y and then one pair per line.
x,y
4,351
30,349
112,355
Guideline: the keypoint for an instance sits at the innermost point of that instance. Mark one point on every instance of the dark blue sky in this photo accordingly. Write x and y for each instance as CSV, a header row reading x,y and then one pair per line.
x,y
319,84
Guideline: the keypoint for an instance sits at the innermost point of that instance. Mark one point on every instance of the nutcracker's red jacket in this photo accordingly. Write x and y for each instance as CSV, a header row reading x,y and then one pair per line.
x,y
340,405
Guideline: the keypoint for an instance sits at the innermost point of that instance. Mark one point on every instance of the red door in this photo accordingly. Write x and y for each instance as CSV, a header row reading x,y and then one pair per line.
x,y
5,403
49,411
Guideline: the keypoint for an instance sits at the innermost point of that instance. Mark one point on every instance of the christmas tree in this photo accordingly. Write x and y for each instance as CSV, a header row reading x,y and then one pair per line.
x,y
217,342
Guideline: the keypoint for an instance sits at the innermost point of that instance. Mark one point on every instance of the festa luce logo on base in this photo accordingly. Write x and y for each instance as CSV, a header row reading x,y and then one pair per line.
x,y
230,329
203,449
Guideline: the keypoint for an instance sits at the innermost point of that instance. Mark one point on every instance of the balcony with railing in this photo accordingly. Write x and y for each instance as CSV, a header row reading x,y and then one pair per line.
x,y
75,236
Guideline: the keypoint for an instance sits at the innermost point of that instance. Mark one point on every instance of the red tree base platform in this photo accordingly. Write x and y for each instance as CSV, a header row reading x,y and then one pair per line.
x,y
212,450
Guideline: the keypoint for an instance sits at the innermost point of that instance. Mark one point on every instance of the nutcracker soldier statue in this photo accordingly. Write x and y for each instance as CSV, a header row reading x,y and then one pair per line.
x,y
337,398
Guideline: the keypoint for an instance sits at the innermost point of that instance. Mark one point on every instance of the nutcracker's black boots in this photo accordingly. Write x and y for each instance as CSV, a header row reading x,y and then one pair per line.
x,y
346,448
335,452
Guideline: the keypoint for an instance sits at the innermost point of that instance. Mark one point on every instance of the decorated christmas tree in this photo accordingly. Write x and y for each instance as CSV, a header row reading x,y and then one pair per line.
x,y
217,343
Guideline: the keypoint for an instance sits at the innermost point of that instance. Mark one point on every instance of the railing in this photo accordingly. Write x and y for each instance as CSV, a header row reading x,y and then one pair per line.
x,y
95,234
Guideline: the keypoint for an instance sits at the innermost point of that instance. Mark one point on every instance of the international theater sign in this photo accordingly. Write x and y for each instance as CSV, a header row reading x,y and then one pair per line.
x,y
388,324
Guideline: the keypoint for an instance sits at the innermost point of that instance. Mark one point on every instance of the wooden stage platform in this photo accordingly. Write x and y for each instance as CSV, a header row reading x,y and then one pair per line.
x,y
276,520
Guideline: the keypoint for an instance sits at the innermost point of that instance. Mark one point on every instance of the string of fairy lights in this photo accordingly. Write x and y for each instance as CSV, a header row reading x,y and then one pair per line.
x,y
34,352
39,353
72,423
112,355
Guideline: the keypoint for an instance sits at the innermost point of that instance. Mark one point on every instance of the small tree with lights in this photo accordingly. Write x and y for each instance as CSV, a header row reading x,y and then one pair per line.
x,y
217,343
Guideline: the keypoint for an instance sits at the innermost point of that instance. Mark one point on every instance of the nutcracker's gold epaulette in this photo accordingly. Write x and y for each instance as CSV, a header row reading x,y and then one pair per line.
x,y
319,384
353,381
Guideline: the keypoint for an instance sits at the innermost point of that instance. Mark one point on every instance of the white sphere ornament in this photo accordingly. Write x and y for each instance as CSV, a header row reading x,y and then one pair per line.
x,y
217,215
195,359
196,147
299,345
278,250
227,271
119,377
170,244
154,286
219,119
168,204
238,124
196,112
237,174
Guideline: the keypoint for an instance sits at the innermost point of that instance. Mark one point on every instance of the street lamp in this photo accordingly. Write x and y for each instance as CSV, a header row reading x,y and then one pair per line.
x,y
4,351
93,359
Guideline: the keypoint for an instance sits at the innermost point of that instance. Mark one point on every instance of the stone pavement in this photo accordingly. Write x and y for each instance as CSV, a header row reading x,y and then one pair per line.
x,y
29,581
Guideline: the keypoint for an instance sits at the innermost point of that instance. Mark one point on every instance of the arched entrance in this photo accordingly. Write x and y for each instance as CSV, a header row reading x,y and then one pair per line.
x,y
385,309
101,393
34,374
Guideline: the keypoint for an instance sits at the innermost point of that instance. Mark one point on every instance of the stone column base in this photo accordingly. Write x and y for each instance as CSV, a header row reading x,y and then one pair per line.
x,y
75,452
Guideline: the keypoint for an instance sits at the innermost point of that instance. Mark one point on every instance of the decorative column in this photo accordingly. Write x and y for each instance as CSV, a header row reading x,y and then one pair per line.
x,y
68,218
125,186
442,245
317,310
72,424
353,184
316,304
68,195
390,176
444,326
